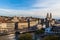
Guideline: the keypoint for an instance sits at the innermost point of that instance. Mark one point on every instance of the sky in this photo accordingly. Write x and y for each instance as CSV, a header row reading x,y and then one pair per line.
x,y
34,8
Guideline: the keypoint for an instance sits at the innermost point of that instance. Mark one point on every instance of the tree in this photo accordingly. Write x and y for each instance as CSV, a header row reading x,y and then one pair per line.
x,y
26,36
41,31
51,38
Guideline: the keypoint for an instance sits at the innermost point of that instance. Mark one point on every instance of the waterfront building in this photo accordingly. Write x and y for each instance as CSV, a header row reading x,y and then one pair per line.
x,y
39,26
15,19
8,27
25,24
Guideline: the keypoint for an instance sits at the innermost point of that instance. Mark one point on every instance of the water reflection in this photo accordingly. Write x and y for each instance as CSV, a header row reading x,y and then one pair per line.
x,y
13,37
8,37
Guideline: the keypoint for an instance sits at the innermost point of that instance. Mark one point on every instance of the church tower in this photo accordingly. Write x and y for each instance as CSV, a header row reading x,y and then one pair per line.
x,y
47,17
47,20
50,16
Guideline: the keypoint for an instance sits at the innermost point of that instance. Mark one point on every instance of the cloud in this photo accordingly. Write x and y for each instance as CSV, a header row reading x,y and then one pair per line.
x,y
33,12
45,6
11,12
39,9
47,3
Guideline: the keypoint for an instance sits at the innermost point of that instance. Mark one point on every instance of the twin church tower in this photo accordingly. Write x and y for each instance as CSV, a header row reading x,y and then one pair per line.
x,y
49,16
49,20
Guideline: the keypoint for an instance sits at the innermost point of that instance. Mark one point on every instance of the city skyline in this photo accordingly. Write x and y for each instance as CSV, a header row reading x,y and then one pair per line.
x,y
35,8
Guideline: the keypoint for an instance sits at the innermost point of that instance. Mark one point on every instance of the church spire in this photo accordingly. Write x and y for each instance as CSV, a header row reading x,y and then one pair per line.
x,y
47,15
50,15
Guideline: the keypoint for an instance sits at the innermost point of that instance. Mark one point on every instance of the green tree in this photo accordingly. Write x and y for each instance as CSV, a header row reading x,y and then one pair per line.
x,y
51,38
26,36
41,31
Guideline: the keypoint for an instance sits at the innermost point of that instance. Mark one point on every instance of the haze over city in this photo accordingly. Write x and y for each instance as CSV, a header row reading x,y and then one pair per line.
x,y
35,8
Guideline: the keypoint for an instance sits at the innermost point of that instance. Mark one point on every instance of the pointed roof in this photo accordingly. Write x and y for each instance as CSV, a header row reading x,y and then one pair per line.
x,y
47,15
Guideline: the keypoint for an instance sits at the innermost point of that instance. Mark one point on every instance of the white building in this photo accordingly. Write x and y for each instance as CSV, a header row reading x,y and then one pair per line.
x,y
7,27
25,25
39,26
15,19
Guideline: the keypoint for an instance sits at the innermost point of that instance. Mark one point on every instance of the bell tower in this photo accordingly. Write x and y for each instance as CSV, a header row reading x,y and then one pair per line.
x,y
50,16
47,17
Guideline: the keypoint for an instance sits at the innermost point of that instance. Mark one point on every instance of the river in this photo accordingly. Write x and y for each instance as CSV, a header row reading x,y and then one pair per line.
x,y
12,37
8,37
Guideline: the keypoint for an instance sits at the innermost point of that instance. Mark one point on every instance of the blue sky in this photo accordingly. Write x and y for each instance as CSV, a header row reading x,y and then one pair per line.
x,y
17,4
36,8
